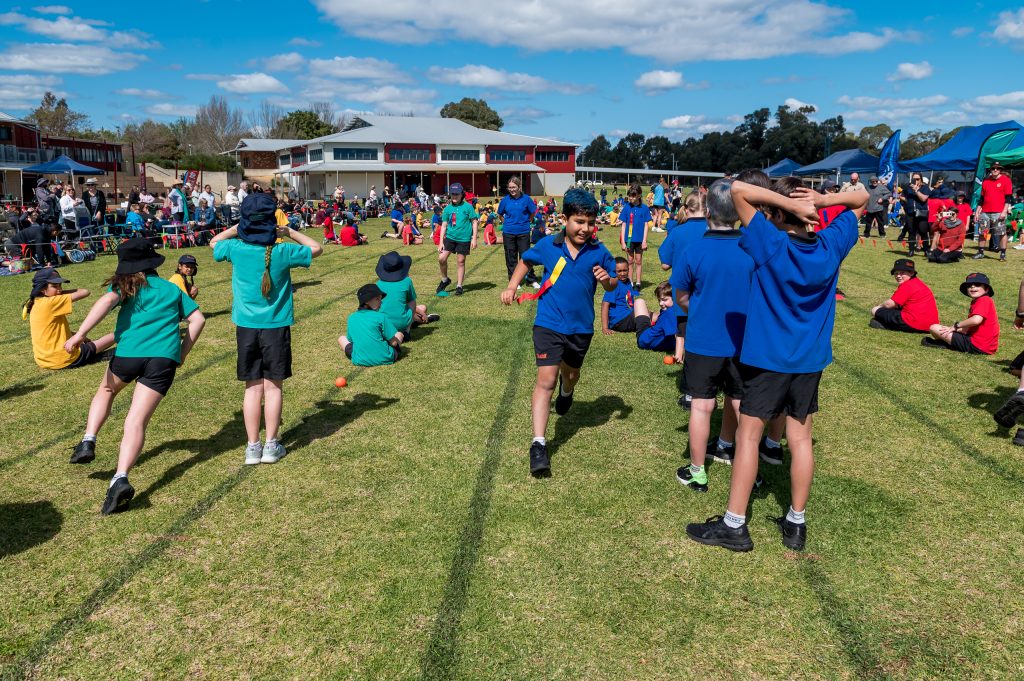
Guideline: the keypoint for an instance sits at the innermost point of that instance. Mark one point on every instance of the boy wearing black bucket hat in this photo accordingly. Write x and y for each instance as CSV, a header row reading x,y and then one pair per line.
x,y
47,310
979,333
911,308
400,295
370,339
149,352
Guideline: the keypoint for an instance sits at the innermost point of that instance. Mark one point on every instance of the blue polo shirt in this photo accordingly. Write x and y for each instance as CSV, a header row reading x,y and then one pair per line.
x,y
397,215
659,196
716,272
792,305
640,216
568,306
620,300
662,335
516,214
681,236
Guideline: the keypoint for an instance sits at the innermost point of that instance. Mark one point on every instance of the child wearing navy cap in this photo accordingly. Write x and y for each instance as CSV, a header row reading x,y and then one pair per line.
x,y
979,333
459,224
787,340
573,267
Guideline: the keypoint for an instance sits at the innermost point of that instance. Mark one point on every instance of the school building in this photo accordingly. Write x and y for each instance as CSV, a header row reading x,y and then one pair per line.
x,y
403,152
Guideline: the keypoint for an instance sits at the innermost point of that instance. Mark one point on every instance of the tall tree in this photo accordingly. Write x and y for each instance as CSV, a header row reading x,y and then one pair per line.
x,y
303,125
329,115
598,153
217,127
872,137
476,112
151,137
265,120
920,143
54,117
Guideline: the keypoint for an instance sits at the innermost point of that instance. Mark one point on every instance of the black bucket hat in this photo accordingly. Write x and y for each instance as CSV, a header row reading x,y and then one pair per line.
x,y
257,224
904,265
977,278
368,292
137,255
393,267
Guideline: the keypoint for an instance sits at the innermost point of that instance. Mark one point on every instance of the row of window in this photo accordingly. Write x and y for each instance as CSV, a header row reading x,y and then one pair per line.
x,y
422,154
89,155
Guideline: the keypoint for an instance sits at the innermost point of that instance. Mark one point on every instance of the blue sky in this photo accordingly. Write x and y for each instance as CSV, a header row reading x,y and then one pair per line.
x,y
550,68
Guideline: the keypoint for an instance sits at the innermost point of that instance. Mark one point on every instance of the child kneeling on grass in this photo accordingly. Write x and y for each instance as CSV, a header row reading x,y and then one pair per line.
x,y
617,305
149,350
979,333
399,304
564,325
372,339
787,341
47,310
911,308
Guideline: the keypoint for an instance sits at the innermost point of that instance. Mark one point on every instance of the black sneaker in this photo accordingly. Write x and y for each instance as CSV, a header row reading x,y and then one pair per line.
x,y
685,401
770,455
978,256
84,452
875,324
540,462
433,318
458,290
793,536
721,454
930,342
685,476
443,285
1018,439
562,402
1006,415
118,496
715,532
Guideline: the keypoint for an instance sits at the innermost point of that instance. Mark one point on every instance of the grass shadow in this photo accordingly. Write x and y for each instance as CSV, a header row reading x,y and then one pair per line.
x,y
296,285
479,286
419,332
24,525
330,417
587,415
215,313
19,389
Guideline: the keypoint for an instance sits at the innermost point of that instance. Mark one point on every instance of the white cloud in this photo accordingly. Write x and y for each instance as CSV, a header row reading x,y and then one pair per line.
x,y
711,127
1010,27
684,122
23,92
657,81
794,104
75,29
143,93
1010,99
304,42
173,110
765,28
251,83
289,61
356,68
88,60
480,76
911,71
53,9
618,133
524,115
962,32
892,102
391,99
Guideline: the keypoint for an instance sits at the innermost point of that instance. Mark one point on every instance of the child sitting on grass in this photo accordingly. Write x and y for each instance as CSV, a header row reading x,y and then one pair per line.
x,y
184,276
399,304
911,308
617,313
564,327
47,310
350,236
658,331
372,339
410,235
979,333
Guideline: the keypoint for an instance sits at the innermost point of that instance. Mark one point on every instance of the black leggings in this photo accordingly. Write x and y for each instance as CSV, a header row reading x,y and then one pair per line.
x,y
919,230
515,247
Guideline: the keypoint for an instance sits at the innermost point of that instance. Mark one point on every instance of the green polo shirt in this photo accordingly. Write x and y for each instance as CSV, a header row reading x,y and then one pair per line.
x,y
249,307
147,323
395,305
369,332
459,221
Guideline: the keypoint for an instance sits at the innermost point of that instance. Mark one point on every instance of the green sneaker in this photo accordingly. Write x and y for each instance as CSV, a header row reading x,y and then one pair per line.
x,y
695,481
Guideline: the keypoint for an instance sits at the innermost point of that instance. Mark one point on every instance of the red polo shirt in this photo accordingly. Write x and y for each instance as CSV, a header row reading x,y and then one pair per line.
x,y
994,193
985,337
917,304
349,236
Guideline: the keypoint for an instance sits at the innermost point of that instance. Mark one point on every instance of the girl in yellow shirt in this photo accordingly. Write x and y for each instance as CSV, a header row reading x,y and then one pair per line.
x,y
47,310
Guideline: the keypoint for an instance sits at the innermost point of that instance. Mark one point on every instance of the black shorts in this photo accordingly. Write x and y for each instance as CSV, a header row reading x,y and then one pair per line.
x,y
87,355
156,373
961,342
892,319
456,247
627,325
641,323
767,394
264,353
681,326
553,348
706,376
635,247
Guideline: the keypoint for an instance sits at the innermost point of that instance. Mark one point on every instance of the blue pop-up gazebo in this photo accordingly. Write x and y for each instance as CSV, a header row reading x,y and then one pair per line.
x,y
961,152
783,168
63,165
842,163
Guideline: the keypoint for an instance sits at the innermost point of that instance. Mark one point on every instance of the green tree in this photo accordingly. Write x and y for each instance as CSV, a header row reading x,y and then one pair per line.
x,y
598,153
872,137
656,153
920,143
302,125
54,117
476,112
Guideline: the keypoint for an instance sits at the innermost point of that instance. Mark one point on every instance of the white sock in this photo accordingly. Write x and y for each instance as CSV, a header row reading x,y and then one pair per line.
x,y
771,444
732,520
561,390
253,444
271,442
722,444
115,478
795,517
540,440
89,438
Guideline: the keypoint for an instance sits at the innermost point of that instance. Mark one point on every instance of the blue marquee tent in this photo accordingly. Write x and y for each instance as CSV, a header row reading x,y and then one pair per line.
x,y
960,153
783,168
842,163
62,165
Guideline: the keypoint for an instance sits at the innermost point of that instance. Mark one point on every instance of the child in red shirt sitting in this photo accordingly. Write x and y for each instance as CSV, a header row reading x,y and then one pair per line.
x,y
350,236
979,333
410,235
911,308
948,234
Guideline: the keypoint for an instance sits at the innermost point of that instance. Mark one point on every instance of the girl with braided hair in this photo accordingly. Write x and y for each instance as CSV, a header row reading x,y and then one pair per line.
x,y
263,313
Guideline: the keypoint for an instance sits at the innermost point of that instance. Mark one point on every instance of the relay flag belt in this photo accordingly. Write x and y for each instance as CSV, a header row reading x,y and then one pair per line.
x,y
555,273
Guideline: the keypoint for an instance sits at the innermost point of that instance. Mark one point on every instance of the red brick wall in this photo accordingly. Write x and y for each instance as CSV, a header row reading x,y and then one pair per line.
x,y
258,160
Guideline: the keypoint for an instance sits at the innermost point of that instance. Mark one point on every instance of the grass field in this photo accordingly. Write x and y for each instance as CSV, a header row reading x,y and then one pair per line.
x,y
402,536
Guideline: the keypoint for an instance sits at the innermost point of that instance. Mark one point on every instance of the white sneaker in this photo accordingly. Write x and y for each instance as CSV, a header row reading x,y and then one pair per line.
x,y
535,284
273,452
253,453
1019,247
519,287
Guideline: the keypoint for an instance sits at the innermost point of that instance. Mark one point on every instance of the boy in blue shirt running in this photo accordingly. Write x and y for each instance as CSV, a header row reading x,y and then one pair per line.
x,y
787,340
564,326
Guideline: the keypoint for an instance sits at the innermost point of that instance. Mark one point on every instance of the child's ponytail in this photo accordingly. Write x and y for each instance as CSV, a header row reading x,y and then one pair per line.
x,y
268,284
27,308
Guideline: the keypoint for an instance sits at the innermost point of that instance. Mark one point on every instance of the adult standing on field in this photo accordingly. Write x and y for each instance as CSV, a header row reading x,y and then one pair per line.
x,y
990,216
878,207
517,211
854,185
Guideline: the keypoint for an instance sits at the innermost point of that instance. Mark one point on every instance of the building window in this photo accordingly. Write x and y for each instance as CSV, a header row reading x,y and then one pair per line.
x,y
409,154
355,154
5,134
284,160
298,158
508,155
562,156
460,155
316,155
245,162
